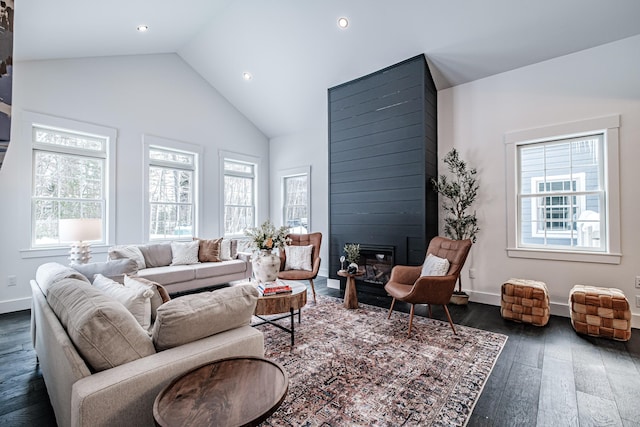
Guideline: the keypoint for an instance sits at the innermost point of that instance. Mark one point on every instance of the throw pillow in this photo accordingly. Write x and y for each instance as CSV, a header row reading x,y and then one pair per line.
x,y
298,257
435,266
156,254
228,249
129,251
196,316
104,332
160,294
184,253
137,301
209,250
113,267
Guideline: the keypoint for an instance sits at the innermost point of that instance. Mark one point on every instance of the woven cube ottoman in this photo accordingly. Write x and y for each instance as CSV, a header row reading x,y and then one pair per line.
x,y
525,301
600,312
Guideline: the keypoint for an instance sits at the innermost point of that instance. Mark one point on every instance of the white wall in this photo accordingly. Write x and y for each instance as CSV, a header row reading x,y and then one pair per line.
x,y
152,94
474,118
300,150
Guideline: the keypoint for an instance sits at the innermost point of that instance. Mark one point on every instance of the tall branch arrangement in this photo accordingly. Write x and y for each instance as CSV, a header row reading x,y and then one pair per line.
x,y
459,191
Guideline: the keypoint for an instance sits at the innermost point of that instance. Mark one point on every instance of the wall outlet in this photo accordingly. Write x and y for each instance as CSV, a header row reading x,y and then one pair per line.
x,y
472,273
12,281
637,281
637,300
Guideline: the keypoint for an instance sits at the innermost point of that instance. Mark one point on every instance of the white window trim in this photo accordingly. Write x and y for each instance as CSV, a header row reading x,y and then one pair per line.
x,y
30,119
160,142
609,126
292,172
232,156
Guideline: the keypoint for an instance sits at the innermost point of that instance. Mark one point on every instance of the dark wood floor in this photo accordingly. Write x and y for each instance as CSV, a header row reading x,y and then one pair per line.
x,y
544,376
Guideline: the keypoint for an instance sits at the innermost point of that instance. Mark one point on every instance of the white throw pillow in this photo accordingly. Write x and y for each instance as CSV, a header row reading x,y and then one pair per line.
x,y
435,266
298,257
228,249
137,301
131,251
185,253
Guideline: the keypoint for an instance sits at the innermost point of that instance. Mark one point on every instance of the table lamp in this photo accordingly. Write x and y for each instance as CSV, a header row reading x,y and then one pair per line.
x,y
80,231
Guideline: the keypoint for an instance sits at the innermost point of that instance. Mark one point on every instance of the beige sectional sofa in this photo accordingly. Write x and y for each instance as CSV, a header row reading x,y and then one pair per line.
x,y
155,263
101,368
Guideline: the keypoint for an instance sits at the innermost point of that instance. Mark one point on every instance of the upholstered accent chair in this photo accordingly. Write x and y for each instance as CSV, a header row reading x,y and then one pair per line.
x,y
313,239
406,284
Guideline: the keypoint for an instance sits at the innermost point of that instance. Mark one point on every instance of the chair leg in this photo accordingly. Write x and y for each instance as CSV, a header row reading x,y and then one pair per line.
x,y
413,306
446,310
313,289
429,307
393,301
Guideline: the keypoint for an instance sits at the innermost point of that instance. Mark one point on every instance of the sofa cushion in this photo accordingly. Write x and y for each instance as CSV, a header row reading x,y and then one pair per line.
x,y
160,294
214,269
135,299
49,273
156,254
184,253
228,249
128,251
169,274
209,250
110,268
192,317
103,331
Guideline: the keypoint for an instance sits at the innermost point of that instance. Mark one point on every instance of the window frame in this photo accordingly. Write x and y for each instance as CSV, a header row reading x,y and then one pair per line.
x,y
238,158
149,142
292,173
31,120
608,126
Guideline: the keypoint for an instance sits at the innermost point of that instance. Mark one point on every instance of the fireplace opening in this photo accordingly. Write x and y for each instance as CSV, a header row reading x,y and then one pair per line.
x,y
375,263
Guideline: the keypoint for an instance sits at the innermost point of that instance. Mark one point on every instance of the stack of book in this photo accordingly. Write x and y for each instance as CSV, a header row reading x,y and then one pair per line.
x,y
273,288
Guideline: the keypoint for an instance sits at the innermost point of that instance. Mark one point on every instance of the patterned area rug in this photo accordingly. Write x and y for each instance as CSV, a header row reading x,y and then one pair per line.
x,y
356,368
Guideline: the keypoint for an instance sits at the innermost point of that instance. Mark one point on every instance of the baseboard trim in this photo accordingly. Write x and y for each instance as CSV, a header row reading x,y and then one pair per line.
x,y
556,308
15,305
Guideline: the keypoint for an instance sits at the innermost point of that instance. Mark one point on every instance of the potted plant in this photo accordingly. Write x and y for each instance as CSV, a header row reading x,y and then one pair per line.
x,y
459,191
352,252
265,238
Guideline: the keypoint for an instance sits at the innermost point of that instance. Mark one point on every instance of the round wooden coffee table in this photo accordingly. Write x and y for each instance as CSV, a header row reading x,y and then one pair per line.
x,y
282,303
238,391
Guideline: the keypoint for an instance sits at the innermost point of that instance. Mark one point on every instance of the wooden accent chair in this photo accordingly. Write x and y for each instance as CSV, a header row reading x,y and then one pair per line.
x,y
407,285
314,239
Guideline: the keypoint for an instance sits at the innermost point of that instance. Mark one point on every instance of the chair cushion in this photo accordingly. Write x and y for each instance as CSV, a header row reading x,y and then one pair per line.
x,y
103,331
435,266
192,317
298,257
184,253
135,299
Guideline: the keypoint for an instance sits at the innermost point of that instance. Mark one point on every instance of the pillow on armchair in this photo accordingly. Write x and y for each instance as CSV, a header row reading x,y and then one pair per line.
x,y
435,266
298,257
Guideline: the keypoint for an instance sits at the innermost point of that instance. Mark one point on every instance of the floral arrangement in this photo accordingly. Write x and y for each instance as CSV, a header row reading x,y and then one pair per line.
x,y
267,236
352,251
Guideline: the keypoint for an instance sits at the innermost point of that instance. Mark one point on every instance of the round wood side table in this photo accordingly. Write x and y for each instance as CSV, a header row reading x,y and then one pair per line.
x,y
350,295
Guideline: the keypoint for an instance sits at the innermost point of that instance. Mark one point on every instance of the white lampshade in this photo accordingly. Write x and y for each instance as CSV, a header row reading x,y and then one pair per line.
x,y
80,229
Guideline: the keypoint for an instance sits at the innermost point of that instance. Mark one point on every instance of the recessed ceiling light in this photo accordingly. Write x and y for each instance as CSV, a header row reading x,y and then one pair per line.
x,y
142,28
343,22
247,76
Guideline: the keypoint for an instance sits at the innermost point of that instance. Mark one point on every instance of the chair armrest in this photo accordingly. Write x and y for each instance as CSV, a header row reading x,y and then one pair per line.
x,y
406,274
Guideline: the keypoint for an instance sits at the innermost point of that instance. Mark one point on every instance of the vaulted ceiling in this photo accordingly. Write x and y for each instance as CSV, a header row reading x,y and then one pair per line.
x,y
295,50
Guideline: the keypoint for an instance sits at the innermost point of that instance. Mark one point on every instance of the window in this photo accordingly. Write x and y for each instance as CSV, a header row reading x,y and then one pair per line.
x,y
70,176
295,200
172,178
565,187
239,196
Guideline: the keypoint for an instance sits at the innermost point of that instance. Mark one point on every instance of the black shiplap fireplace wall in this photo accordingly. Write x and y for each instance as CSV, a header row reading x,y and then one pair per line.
x,y
382,156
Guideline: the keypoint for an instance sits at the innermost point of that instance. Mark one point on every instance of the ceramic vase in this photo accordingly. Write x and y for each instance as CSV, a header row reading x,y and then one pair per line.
x,y
352,268
266,266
